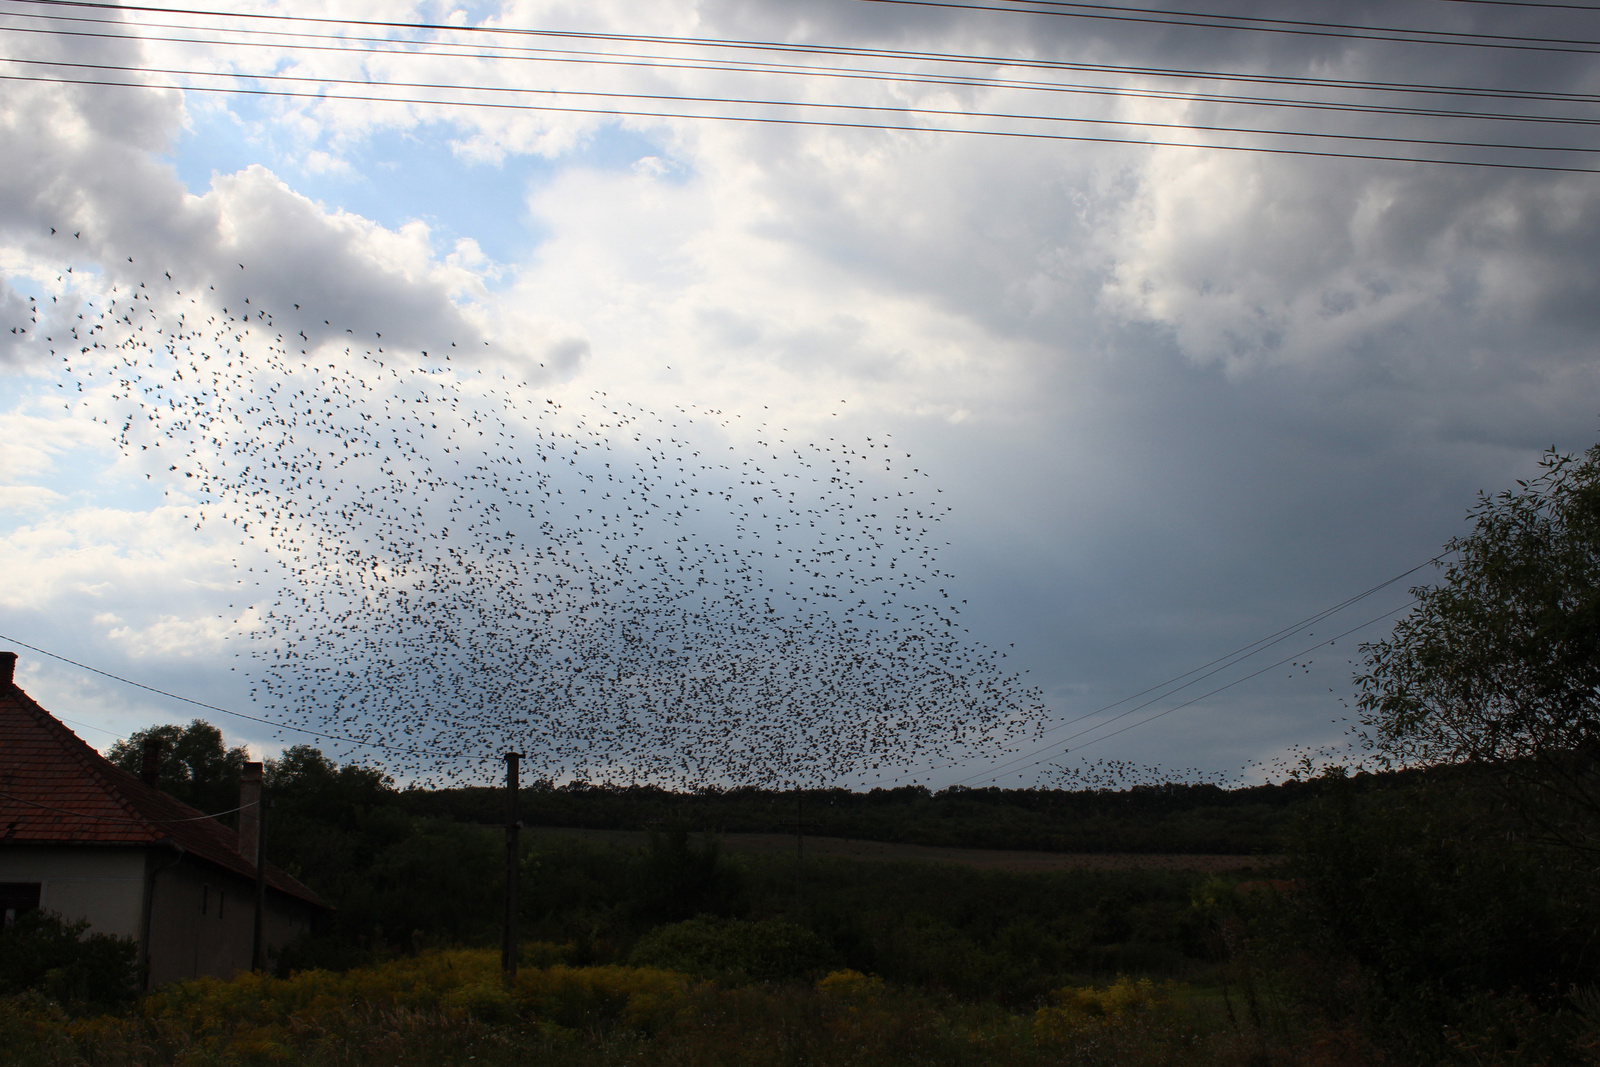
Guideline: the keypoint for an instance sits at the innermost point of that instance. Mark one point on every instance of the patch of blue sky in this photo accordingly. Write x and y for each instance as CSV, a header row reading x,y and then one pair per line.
x,y
397,176
82,478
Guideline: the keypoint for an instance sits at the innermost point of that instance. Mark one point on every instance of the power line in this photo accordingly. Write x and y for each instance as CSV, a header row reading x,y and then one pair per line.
x,y
1150,16
508,51
770,120
1226,660
120,818
1243,653
1525,3
228,711
1237,681
844,74
807,104
91,726
1042,752
1256,24
1154,17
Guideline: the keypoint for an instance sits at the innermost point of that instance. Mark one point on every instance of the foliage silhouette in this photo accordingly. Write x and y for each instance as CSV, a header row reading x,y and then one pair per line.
x,y
197,766
1498,665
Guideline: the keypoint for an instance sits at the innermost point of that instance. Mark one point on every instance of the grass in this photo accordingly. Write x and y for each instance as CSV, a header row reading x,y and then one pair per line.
x,y
782,845
450,1007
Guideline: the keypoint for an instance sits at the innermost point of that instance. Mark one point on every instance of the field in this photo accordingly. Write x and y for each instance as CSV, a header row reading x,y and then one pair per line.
x,y
980,858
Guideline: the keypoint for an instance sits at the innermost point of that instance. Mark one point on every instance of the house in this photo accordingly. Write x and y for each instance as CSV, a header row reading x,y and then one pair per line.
x,y
89,841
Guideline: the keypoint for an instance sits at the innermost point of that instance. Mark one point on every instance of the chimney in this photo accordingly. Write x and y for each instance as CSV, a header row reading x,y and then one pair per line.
x,y
150,770
250,811
8,668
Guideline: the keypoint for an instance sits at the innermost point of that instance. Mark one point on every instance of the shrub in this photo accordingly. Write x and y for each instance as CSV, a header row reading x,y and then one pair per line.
x,y
1078,1010
733,949
640,998
455,983
1444,918
850,985
678,879
483,1001
82,971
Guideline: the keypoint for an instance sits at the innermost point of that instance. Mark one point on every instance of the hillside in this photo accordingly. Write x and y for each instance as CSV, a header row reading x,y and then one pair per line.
x,y
1171,818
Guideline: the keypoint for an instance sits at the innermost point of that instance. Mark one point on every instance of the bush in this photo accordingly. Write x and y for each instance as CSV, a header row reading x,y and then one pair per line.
x,y
850,985
734,949
1423,916
84,972
678,880
457,983
588,998
1080,1010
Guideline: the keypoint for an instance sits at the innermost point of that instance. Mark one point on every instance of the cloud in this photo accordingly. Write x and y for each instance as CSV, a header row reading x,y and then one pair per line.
x,y
31,442
85,163
100,556
1367,273
21,498
1178,397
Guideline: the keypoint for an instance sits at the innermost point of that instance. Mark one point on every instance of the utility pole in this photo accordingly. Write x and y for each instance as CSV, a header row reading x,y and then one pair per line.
x,y
799,848
508,946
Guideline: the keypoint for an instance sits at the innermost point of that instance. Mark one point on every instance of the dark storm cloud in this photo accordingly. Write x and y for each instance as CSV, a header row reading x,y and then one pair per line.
x,y
1257,385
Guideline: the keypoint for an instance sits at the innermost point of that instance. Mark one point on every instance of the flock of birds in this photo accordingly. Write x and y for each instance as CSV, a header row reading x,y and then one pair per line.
x,y
444,563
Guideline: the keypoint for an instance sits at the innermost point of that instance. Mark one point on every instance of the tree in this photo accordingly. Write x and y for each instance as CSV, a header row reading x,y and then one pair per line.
x,y
329,822
1498,665
303,776
197,767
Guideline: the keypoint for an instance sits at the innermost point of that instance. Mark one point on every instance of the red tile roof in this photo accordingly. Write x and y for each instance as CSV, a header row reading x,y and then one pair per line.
x,y
56,790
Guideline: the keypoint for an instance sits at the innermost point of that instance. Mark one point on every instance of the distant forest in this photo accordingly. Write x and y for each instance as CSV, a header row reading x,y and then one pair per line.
x,y
1176,818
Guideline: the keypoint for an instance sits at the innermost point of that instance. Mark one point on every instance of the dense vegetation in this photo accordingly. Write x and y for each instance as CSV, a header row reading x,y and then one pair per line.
x,y
448,1007
404,882
1155,818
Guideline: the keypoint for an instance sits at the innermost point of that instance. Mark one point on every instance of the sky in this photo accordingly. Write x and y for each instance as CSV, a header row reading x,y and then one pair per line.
x,y
1176,399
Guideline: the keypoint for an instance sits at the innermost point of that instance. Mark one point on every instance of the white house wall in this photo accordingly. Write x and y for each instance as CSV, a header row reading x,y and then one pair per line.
x,y
104,886
201,916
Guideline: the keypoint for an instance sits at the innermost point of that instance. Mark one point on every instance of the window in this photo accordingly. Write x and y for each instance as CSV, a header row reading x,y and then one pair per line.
x,y
205,897
17,898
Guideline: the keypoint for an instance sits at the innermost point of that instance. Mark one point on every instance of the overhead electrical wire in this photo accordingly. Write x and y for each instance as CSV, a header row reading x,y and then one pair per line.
x,y
1251,24
1228,685
1524,3
120,818
846,74
1528,3
1245,652
1049,751
275,724
942,113
1410,143
961,59
1152,16
1220,663
772,120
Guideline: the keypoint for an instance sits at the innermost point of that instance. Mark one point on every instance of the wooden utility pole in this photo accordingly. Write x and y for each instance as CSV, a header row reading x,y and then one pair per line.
x,y
508,945
799,848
